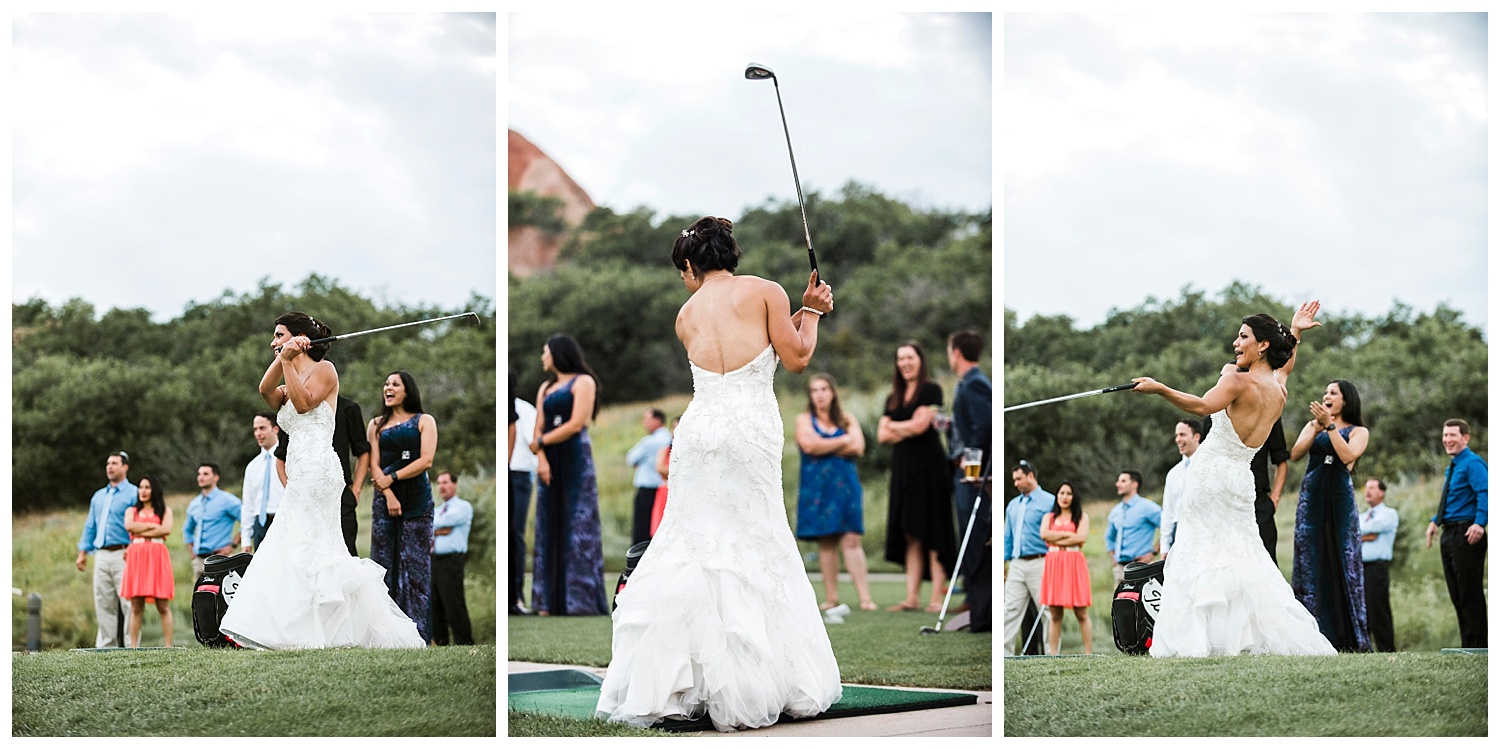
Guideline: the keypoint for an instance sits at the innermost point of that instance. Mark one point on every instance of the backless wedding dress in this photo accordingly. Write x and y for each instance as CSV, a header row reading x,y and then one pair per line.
x,y
1221,593
302,589
719,616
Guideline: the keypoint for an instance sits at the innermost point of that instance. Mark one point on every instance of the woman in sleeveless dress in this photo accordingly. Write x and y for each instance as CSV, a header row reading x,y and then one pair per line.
x,y
567,567
1065,572
1221,593
720,617
830,506
401,516
148,566
1328,572
920,534
303,590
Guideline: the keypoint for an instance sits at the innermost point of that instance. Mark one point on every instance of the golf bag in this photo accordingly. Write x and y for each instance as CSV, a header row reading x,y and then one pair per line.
x,y
632,558
212,592
1136,604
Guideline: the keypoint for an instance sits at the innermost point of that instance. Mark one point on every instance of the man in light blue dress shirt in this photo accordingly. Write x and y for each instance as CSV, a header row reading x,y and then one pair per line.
x,y
1131,536
105,537
211,518
1025,552
642,457
450,551
1377,529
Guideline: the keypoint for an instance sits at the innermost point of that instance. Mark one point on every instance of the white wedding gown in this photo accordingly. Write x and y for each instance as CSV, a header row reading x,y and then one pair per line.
x,y
1221,593
302,589
719,616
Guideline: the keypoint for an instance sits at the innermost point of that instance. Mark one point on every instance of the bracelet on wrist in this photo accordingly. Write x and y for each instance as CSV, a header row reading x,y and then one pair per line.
x,y
815,312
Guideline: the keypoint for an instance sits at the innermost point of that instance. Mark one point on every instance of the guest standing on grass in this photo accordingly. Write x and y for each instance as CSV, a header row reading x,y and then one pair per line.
x,y
1025,552
522,472
148,566
642,458
1377,532
1065,572
1188,434
1463,513
450,552
830,500
406,442
105,536
920,532
972,428
1132,525
211,518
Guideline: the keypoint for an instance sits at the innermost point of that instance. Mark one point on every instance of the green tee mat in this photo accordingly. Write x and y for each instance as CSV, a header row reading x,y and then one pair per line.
x,y
1466,651
574,694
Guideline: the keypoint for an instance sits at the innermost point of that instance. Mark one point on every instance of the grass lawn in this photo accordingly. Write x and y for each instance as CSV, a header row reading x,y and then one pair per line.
x,y
1386,694
446,691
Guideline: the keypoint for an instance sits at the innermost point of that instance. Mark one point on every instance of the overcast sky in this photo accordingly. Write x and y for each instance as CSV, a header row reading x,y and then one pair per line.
x,y
1341,157
161,159
654,110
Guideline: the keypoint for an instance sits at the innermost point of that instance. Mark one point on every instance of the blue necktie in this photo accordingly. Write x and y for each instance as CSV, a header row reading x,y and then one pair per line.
x,y
265,487
103,522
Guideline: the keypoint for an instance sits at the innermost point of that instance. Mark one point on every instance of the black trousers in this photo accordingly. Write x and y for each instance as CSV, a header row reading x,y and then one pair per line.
x,y
449,610
1463,567
1265,519
348,523
1378,605
640,526
519,494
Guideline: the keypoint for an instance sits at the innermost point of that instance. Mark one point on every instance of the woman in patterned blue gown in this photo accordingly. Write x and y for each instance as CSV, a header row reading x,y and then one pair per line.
x,y
1327,569
405,439
568,561
830,501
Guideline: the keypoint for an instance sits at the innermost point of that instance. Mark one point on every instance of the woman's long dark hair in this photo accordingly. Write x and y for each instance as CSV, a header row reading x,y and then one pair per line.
x,y
1075,509
1351,412
298,323
412,402
835,411
898,383
567,358
158,497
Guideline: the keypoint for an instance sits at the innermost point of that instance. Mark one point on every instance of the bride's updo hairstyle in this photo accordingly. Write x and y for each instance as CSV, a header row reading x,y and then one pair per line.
x,y
1265,328
709,244
298,323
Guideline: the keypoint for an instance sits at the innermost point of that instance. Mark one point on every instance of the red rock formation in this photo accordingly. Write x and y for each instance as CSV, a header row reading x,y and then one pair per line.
x,y
530,250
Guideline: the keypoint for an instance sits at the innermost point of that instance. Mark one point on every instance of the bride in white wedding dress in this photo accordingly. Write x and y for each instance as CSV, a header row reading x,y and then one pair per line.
x,y
719,616
1221,593
302,589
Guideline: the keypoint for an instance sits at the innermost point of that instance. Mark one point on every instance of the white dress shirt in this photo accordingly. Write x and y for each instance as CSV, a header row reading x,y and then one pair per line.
x,y
522,458
258,490
1170,494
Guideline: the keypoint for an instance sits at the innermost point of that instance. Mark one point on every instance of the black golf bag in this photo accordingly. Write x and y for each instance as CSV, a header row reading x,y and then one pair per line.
x,y
1136,604
212,592
632,558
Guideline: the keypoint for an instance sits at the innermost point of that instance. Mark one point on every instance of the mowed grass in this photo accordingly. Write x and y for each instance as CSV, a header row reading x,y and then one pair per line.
x,y
205,692
1383,694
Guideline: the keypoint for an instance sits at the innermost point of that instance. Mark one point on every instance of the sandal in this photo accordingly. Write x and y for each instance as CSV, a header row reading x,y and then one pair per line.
x,y
868,606
902,607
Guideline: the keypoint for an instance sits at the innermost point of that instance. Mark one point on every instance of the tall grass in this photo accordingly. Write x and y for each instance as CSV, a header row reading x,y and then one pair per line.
x,y
44,547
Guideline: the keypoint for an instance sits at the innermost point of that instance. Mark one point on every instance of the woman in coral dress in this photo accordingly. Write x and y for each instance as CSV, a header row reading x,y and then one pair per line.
x,y
1065,573
148,566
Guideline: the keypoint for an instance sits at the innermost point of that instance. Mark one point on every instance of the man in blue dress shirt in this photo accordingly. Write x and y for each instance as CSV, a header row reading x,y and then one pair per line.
x,y
1131,536
450,551
642,458
1377,529
211,518
971,427
1463,513
105,537
1025,552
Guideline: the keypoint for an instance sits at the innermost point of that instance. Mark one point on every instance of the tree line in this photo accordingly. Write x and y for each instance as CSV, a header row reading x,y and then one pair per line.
x,y
899,273
182,392
1413,371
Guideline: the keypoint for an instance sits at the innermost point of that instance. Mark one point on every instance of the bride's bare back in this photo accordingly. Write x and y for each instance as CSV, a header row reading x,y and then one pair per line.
x,y
1257,408
724,324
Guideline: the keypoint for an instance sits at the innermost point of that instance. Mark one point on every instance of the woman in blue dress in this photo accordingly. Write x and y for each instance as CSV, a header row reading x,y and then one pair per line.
x,y
568,561
1327,569
401,517
830,501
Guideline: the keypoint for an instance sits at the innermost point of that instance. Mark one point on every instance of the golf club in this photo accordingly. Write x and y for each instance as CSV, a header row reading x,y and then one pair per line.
x,y
974,513
757,72
1116,388
472,317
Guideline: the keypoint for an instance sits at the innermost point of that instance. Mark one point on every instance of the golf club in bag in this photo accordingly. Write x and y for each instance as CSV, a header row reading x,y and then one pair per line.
x,y
757,72
212,592
974,513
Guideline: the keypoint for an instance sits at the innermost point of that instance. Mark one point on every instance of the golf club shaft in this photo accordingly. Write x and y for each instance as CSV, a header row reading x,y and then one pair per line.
x,y
812,257
1116,388
331,339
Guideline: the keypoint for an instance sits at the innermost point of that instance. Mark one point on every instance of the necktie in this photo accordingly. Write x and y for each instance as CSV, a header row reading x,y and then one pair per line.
x,y
1120,535
101,525
198,529
1443,498
265,486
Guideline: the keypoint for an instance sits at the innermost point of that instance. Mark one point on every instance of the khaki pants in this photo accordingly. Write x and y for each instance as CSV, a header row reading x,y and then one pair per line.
x,y
1024,578
112,610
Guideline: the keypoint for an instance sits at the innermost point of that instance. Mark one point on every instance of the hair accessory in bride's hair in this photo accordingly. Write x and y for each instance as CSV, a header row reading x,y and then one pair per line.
x,y
689,232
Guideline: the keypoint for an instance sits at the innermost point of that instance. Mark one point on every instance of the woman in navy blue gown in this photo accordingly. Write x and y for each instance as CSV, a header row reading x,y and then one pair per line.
x,y
1327,569
568,561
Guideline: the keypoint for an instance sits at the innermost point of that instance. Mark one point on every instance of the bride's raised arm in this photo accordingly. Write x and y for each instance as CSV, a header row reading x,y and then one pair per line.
x,y
308,383
795,336
270,384
1303,320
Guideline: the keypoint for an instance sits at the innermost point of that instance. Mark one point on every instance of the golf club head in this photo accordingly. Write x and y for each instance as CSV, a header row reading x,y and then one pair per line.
x,y
473,318
929,631
758,72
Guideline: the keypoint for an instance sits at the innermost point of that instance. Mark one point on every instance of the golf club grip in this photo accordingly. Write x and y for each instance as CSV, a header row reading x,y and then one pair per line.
x,y
1126,386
